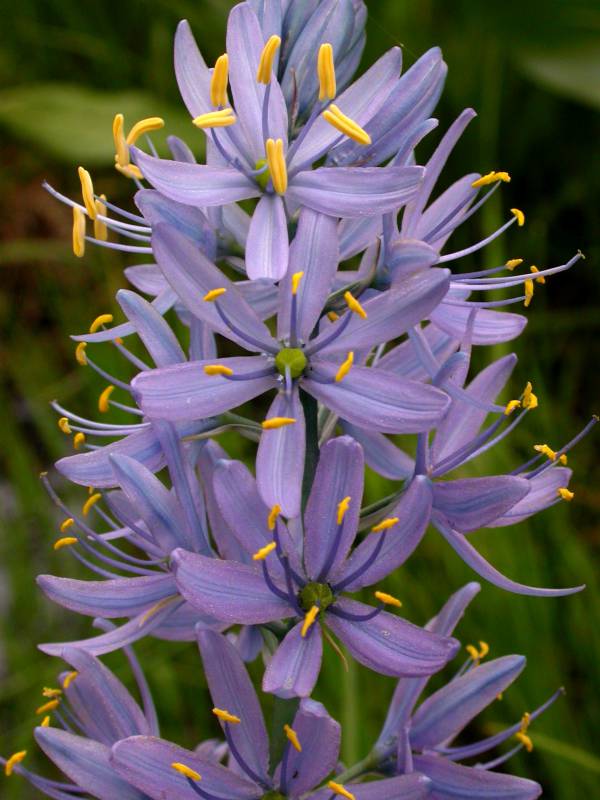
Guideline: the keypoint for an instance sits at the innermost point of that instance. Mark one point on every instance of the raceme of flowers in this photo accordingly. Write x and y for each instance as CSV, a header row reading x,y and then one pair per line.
x,y
304,259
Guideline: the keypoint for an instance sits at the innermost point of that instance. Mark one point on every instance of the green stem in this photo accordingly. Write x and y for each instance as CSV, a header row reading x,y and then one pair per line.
x,y
350,716
311,416
368,764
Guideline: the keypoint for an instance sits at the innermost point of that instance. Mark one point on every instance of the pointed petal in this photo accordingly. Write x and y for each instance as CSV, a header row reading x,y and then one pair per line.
x,y
192,275
355,191
405,360
314,251
542,494
193,76
444,714
155,333
184,392
339,475
472,503
267,247
261,295
188,220
231,592
146,762
117,597
146,278
294,667
453,610
374,399
231,688
280,456
469,783
477,562
491,327
195,184
413,512
388,644
87,764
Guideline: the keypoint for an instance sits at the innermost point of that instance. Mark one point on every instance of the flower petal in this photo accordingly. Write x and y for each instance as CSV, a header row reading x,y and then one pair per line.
x,y
388,644
472,503
490,327
228,591
355,191
155,333
542,494
280,456
231,688
339,474
374,399
188,220
241,505
193,76
146,278
267,247
294,667
184,392
469,783
381,454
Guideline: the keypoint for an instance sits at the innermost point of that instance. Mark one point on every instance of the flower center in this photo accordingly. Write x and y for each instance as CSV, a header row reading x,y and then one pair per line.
x,y
292,359
316,594
264,177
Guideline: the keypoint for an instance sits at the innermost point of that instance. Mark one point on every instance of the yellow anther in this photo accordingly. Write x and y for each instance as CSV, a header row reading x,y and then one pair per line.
x,y
484,649
565,494
345,125
211,296
546,451
225,716
296,278
63,424
500,696
563,459
144,126
345,367
130,171
103,319
277,422
340,790
528,292
354,305
385,524
45,723
11,762
472,651
342,508
50,706
261,554
78,232
326,73
519,215
90,489
528,398
90,502
186,771
511,406
48,692
80,355
66,524
534,270
217,369
478,653
522,733
66,541
78,440
277,165
100,229
87,192
103,400
69,678
216,119
309,620
218,81
332,316
121,149
491,177
293,738
267,57
388,599
513,263
272,518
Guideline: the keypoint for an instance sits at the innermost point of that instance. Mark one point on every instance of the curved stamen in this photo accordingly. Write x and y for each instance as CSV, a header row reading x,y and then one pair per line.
x,y
496,762
107,376
485,304
249,376
483,243
338,328
263,346
201,792
339,587
564,450
271,586
356,617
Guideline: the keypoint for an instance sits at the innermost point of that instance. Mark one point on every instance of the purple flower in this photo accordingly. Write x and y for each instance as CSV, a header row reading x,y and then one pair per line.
x,y
321,366
164,771
302,576
93,710
421,737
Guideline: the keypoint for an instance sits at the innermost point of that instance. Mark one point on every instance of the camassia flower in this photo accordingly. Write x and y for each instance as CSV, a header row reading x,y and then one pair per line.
x,y
254,151
459,507
156,521
302,578
92,710
164,771
421,737
322,367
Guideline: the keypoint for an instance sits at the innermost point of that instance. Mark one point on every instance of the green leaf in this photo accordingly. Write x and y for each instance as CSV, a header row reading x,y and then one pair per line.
x,y
74,125
572,72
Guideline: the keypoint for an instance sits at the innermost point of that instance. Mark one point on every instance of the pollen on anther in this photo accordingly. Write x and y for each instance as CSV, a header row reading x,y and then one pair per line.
x,y
11,762
78,440
90,502
339,789
66,541
342,509
272,518
354,305
211,296
186,771
388,599
104,399
103,319
277,422
385,524
261,554
292,737
225,716
217,369
519,215
80,355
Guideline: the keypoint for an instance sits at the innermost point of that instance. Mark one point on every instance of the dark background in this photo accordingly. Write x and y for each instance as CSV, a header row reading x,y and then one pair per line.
x,y
532,71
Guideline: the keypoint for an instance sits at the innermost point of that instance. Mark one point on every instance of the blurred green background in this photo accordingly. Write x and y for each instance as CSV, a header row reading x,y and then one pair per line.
x,y
532,70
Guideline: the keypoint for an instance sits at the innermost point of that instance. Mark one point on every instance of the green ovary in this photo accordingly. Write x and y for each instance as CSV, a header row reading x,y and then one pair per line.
x,y
291,358
264,177
316,594
273,796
